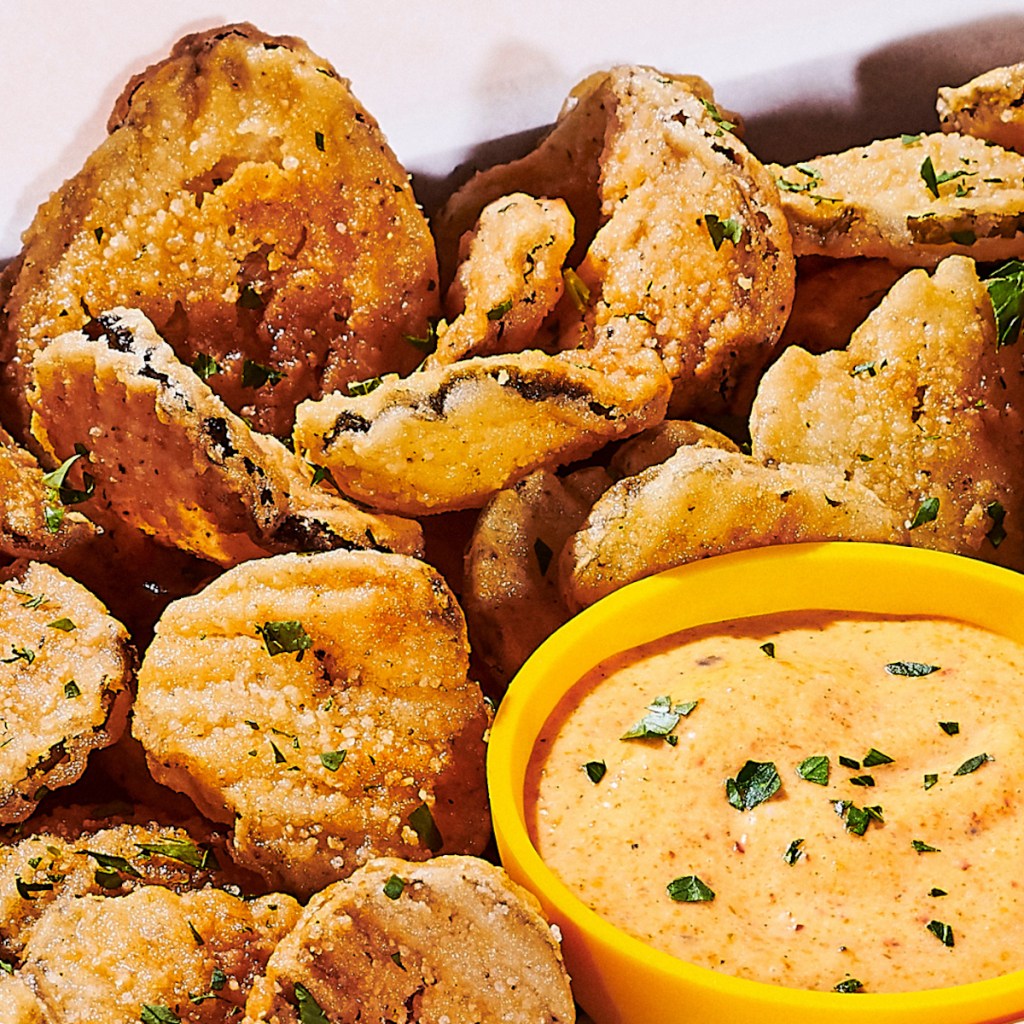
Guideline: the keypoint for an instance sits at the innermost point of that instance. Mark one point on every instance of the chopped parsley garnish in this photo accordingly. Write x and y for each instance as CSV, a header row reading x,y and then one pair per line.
x,y
157,1013
950,728
204,366
814,769
755,782
930,780
198,939
933,179
875,757
255,375
716,116
661,718
995,511
279,758
1006,290
972,764
426,343
720,230
849,985
309,1009
394,887
595,770
286,637
364,387
923,847
25,889
927,512
57,486
865,369
423,824
543,555
318,138
689,889
909,140
65,625
805,186
942,931
849,762
332,760
183,850
910,668
769,649
937,892
857,818
862,780
20,654
497,312
111,862
218,979
6,967
793,851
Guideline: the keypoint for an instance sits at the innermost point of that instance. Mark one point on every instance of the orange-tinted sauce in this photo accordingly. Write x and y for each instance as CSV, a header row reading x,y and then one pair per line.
x,y
929,895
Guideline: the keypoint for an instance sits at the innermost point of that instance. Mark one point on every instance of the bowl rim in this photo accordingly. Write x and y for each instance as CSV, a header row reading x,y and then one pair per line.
x,y
848,565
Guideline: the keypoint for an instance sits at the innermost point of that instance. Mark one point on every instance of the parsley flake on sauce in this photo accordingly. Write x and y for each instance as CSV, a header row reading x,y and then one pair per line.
x,y
950,728
156,1013
205,366
942,931
972,764
661,718
927,512
690,889
930,780
849,762
595,770
937,892
423,824
793,851
995,511
857,818
910,668
394,887
769,649
255,375
814,769
286,637
922,847
875,757
755,782
310,1011
849,985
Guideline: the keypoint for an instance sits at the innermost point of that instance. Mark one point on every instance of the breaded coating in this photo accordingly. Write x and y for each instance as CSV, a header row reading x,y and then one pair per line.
x,y
705,501
18,1003
192,955
33,520
452,941
169,458
924,408
987,107
64,673
510,583
657,443
70,854
833,298
450,438
509,279
912,201
321,704
251,207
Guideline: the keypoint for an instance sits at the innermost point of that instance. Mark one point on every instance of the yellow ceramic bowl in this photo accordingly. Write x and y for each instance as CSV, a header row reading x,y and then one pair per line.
x,y
619,979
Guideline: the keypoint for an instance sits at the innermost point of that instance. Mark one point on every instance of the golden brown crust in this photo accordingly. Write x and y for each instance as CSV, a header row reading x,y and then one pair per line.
x,y
988,107
251,207
452,941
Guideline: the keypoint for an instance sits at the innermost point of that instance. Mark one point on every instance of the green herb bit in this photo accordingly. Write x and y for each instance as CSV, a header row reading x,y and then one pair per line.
x,y
497,312
65,625
909,140
279,758
927,512
423,824
1006,290
596,771
56,481
53,518
716,116
862,780
218,979
865,370
930,780
793,851
577,290
942,931
972,764
20,654
205,366
814,769
25,889
543,555
309,1009
934,180
937,892
950,728
6,967
755,782
769,649
690,889
426,343
364,387
910,668
875,757
995,511
183,850
849,985
34,600
318,138
285,637
661,718
720,229
848,762
113,862
157,1013
255,375
332,760
923,847
196,937
394,887
857,818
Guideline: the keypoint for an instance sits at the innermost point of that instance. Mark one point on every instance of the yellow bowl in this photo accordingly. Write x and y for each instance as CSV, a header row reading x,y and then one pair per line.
x,y
619,979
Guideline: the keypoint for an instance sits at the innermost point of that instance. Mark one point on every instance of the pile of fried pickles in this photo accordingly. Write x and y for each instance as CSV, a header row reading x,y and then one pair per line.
x,y
270,440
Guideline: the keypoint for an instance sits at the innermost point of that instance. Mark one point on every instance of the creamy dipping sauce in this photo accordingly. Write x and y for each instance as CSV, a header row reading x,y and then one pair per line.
x,y
902,870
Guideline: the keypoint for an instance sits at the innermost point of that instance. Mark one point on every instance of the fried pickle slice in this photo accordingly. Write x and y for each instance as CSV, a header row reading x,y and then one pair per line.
x,y
658,443
321,704
64,674
509,279
33,520
912,201
704,501
923,407
251,207
452,941
152,954
449,438
987,107
510,584
169,458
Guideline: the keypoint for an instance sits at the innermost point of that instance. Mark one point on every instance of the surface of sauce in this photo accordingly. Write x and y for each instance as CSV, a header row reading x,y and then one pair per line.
x,y
902,870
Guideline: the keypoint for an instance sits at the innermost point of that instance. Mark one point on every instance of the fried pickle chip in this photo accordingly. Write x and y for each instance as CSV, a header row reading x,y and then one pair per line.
x,y
912,201
705,501
64,674
151,955
510,585
168,457
658,443
449,438
321,703
33,520
251,207
452,941
924,408
509,279
987,107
